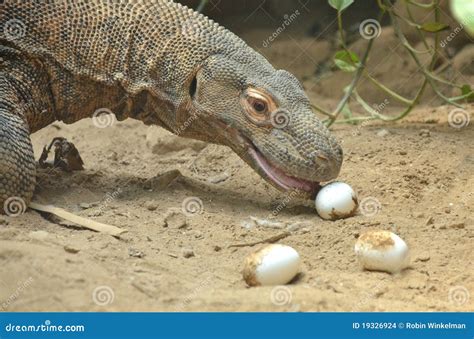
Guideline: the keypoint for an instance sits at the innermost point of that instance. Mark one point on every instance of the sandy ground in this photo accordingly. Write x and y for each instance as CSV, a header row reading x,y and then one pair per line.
x,y
415,176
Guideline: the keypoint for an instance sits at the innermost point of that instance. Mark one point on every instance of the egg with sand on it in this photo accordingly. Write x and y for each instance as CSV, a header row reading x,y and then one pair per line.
x,y
382,251
336,200
271,265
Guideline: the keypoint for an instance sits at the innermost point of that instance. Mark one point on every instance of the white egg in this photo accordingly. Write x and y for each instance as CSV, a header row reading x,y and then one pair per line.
x,y
336,200
271,265
382,251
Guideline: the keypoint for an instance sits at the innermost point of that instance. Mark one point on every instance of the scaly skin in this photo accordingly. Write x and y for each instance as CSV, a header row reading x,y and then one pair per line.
x,y
161,63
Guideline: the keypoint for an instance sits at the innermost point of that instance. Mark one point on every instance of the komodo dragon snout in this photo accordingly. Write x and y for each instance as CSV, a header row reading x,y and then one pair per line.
x,y
264,115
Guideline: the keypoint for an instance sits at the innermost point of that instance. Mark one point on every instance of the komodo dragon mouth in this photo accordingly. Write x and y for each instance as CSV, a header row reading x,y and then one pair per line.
x,y
250,153
279,178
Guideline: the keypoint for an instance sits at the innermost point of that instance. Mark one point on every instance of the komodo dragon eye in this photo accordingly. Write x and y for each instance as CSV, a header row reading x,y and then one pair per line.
x,y
258,106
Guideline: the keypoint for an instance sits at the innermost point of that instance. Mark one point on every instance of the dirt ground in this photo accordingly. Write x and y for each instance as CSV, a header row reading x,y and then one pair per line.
x,y
415,176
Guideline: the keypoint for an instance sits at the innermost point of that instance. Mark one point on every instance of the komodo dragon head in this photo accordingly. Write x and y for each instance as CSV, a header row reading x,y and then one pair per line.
x,y
264,115
233,96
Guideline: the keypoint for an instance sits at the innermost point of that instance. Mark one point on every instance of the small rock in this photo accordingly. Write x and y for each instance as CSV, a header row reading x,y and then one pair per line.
x,y
458,225
401,152
96,213
113,156
134,253
429,221
151,205
3,221
162,181
70,249
219,178
217,248
187,253
175,219
423,257
124,214
383,133
301,226
267,223
85,205
425,133
197,234
39,235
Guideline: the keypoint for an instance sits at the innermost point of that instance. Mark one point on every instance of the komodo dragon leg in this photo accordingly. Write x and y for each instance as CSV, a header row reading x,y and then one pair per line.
x,y
22,94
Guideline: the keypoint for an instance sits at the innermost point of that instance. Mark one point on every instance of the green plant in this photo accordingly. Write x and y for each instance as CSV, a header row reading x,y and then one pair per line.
x,y
347,61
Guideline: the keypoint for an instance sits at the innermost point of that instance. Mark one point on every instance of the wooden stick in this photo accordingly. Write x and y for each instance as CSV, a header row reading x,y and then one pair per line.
x,y
86,223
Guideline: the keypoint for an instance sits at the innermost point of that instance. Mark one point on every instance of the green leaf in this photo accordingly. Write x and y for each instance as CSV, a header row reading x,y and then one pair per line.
x,y
463,11
346,61
434,27
467,90
340,5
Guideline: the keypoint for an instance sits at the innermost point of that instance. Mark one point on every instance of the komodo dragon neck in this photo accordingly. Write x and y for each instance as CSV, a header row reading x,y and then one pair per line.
x,y
130,58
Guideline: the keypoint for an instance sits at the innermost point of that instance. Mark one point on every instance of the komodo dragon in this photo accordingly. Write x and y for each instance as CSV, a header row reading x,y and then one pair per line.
x,y
159,62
